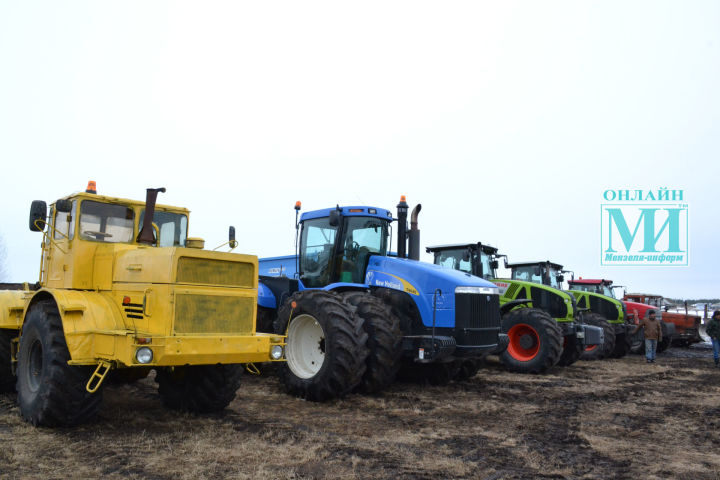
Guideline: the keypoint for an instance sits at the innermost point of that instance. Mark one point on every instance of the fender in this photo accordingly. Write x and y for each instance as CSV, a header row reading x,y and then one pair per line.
x,y
12,308
506,307
91,322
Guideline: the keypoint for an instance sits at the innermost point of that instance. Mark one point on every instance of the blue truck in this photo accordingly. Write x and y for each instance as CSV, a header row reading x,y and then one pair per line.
x,y
355,314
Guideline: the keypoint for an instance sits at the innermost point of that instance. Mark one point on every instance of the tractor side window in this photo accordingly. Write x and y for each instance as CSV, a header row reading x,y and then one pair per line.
x,y
487,271
363,236
171,226
316,247
459,259
106,222
65,224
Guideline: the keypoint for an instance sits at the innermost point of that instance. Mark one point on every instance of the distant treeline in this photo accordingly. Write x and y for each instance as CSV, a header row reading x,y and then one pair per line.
x,y
691,301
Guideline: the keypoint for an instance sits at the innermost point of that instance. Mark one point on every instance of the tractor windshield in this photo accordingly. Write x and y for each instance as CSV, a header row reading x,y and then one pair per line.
x,y
530,273
106,222
172,228
455,258
362,236
553,273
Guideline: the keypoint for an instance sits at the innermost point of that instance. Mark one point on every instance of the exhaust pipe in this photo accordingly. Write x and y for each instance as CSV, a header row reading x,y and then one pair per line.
x,y
146,233
402,209
414,234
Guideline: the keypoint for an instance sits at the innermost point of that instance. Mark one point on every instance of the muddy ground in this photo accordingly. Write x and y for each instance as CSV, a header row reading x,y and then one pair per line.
x,y
611,419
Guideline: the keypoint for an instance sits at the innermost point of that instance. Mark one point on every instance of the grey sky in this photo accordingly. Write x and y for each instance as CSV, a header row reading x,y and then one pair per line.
x,y
506,120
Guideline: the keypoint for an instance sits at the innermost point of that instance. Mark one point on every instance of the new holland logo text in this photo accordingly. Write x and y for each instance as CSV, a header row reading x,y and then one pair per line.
x,y
644,227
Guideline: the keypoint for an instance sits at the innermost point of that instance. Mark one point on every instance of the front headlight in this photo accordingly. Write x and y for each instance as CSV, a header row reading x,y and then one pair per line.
x,y
276,352
144,355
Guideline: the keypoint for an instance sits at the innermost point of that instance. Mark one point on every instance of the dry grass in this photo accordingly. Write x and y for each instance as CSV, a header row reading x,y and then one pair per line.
x,y
611,419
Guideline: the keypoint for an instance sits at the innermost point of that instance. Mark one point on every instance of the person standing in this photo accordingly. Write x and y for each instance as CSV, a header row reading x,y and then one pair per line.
x,y
713,331
653,334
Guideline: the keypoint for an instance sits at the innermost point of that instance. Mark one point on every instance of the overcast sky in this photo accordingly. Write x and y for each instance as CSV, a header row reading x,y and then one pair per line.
x,y
506,120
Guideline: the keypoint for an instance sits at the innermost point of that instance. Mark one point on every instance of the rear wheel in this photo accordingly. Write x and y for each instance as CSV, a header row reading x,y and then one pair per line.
x,y
326,346
623,342
199,388
7,379
598,352
637,342
51,392
535,341
384,340
572,349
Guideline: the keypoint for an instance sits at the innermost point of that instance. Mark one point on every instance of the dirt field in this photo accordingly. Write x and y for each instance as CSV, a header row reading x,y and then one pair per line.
x,y
610,419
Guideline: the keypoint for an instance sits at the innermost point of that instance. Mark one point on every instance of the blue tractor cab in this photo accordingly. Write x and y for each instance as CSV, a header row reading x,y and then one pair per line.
x,y
354,315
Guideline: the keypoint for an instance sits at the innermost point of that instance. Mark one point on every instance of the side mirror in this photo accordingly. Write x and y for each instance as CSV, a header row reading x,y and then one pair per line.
x,y
335,216
38,211
231,237
64,206
667,307
494,264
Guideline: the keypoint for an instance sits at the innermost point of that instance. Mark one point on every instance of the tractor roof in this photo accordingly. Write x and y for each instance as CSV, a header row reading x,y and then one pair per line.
x,y
123,201
453,246
648,295
352,211
592,281
556,266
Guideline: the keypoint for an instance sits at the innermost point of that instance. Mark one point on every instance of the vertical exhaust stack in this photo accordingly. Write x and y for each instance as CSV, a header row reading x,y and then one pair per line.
x,y
146,233
414,234
402,209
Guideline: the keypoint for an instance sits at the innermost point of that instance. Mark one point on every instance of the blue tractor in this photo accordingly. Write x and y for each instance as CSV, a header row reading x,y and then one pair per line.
x,y
356,315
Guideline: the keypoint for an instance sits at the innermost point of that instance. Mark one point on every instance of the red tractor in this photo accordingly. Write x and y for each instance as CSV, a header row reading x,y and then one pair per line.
x,y
636,309
687,327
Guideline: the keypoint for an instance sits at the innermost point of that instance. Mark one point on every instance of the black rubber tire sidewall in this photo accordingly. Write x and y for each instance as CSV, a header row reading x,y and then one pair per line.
x,y
604,350
199,388
572,351
549,334
61,398
7,379
345,346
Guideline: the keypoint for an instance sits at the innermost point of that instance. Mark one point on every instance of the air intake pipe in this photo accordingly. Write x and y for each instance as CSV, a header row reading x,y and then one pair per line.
x,y
146,235
402,209
414,234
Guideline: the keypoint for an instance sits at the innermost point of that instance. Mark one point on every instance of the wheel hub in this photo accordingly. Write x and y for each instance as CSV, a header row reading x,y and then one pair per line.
x,y
305,351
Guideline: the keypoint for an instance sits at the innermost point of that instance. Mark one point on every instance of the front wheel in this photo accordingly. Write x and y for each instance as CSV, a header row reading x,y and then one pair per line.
x,y
199,388
535,341
51,392
572,349
326,346
623,343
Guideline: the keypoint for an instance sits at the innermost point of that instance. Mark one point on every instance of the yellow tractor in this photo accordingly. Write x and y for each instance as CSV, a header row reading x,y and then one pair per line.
x,y
123,291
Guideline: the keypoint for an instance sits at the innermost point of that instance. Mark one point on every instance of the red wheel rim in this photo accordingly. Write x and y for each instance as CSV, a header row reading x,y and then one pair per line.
x,y
523,333
590,348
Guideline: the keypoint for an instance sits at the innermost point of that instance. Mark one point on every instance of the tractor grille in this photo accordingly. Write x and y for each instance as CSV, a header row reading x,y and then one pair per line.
x,y
215,272
213,314
477,318
606,308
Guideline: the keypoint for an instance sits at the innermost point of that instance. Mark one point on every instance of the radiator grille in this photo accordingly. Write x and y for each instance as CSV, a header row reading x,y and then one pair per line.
x,y
213,314
477,318
216,272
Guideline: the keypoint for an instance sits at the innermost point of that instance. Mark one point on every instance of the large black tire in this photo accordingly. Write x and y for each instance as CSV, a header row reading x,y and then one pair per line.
x,y
572,349
199,388
535,341
123,376
598,352
7,379
326,347
265,320
51,392
438,373
468,369
623,343
384,341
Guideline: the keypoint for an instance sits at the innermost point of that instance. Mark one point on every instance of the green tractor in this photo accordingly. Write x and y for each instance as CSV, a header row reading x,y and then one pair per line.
x,y
542,322
602,311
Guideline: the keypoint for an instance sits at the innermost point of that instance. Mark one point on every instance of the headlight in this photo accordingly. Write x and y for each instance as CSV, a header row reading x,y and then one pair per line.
x,y
144,355
478,290
276,352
